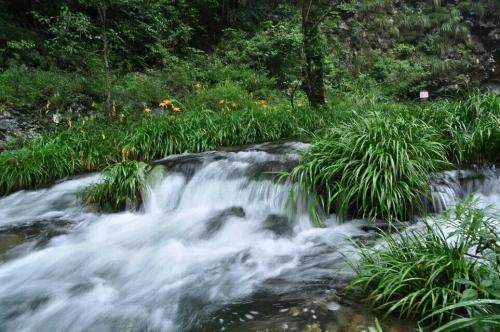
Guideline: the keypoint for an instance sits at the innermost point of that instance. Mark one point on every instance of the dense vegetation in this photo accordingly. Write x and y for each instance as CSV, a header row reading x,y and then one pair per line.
x,y
113,84
440,277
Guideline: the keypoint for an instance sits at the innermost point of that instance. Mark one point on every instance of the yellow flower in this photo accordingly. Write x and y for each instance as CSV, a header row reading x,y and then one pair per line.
x,y
221,102
147,110
176,109
300,104
262,103
197,86
48,104
165,103
234,105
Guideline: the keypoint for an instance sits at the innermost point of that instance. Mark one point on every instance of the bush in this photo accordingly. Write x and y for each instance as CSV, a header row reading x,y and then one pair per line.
x,y
25,86
429,273
372,166
225,96
470,128
123,186
140,87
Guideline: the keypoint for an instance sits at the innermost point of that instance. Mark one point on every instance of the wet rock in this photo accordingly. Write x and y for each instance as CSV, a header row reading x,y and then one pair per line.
x,y
215,223
279,225
333,306
294,311
9,241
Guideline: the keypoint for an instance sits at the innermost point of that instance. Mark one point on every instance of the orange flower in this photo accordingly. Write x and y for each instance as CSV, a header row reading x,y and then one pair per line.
x,y
197,86
176,109
147,110
221,102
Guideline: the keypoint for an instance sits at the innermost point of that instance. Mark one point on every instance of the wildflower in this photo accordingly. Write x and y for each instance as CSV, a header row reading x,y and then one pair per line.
x,y
113,110
165,103
234,105
176,109
147,110
103,136
122,116
197,86
48,104
221,102
262,103
300,104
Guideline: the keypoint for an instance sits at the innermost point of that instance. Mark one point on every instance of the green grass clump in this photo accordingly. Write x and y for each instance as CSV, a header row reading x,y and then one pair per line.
x,y
470,128
92,145
122,186
372,165
434,275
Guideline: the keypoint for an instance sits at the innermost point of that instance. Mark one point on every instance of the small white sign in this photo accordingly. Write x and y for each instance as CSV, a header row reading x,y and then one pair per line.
x,y
424,94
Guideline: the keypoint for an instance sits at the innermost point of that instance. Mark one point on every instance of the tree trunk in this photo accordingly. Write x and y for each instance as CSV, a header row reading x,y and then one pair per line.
x,y
313,70
102,9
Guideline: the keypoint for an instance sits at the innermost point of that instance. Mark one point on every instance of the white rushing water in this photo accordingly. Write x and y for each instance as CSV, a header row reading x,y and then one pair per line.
x,y
211,233
204,239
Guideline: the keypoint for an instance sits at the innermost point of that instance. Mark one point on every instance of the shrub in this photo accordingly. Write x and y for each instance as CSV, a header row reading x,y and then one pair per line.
x,y
434,273
372,166
25,86
225,96
145,87
470,128
122,187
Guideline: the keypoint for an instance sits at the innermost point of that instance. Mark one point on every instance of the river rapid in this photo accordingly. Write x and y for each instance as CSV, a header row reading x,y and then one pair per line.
x,y
216,247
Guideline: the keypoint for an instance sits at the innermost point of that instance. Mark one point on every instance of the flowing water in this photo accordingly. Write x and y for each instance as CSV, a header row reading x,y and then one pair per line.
x,y
216,247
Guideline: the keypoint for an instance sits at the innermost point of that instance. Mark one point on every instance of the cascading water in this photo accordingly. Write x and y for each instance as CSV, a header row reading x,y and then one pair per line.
x,y
451,186
215,242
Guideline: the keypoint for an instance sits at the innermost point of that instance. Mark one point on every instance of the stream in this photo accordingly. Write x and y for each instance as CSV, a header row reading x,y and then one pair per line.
x,y
216,247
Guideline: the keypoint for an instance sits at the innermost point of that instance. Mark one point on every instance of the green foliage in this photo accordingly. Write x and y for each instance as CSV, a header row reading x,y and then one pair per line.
x,y
140,87
25,86
469,127
275,48
443,272
122,186
225,96
374,165
91,145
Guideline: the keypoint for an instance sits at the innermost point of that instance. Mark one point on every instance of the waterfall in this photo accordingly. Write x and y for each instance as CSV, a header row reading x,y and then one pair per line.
x,y
215,228
450,186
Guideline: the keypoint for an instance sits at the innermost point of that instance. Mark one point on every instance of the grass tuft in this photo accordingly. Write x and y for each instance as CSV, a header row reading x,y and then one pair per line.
x,y
122,187
447,271
372,165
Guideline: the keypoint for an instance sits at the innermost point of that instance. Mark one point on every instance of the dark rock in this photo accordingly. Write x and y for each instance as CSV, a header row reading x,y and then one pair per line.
x,y
279,225
215,223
